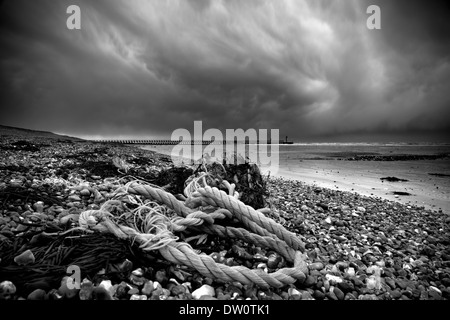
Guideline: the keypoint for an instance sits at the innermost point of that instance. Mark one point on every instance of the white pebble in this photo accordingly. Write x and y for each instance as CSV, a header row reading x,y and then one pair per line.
x,y
204,290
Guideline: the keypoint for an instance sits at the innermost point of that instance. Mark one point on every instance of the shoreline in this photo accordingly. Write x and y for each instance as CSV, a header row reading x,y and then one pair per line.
x,y
339,176
342,172
346,235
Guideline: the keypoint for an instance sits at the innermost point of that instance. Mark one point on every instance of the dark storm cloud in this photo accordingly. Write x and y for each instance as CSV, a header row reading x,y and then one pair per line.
x,y
308,68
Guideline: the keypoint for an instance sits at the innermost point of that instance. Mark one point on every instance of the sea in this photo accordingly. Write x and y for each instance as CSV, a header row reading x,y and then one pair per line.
x,y
426,182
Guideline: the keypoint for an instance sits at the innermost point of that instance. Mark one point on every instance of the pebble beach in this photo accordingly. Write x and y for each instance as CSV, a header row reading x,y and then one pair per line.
x,y
357,247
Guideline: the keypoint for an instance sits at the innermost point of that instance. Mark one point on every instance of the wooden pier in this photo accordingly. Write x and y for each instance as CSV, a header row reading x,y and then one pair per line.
x,y
188,142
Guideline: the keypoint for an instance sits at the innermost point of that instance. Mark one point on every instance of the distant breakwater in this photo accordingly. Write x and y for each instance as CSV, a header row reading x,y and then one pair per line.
x,y
190,142
399,157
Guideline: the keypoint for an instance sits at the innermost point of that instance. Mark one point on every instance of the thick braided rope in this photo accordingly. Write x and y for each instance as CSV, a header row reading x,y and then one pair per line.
x,y
203,222
182,253
268,242
159,195
247,215
181,209
252,225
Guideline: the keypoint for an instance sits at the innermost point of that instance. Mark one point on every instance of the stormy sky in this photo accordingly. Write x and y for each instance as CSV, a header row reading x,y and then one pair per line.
x,y
310,68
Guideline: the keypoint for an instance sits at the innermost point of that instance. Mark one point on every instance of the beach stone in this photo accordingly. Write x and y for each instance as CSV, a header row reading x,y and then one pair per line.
x,y
148,288
357,282
330,295
339,294
349,296
85,193
38,206
306,296
446,282
37,294
333,279
133,290
368,297
25,258
401,283
74,198
316,266
53,294
137,277
107,285
361,209
390,282
396,294
434,293
346,286
138,297
86,289
7,290
273,260
161,277
101,293
350,272
178,289
122,290
446,293
319,295
66,292
423,295
204,290
310,281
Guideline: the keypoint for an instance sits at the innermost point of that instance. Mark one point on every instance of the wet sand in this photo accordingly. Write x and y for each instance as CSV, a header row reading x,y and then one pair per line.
x,y
363,177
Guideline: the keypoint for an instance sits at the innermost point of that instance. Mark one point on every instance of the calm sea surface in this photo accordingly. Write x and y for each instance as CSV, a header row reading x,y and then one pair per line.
x,y
320,151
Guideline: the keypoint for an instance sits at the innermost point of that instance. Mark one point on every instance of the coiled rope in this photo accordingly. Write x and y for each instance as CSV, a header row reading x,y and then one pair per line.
x,y
152,229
